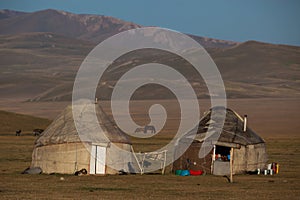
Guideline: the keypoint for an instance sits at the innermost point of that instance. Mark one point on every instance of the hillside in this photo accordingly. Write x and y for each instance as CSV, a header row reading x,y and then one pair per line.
x,y
257,69
41,52
10,122
34,63
88,27
42,66
9,13
93,28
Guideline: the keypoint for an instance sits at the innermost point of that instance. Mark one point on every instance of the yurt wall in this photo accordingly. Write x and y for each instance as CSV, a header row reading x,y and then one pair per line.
x,y
61,158
249,158
190,159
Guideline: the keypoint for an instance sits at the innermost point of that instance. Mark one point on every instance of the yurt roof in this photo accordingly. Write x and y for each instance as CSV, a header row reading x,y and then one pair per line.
x,y
63,129
232,130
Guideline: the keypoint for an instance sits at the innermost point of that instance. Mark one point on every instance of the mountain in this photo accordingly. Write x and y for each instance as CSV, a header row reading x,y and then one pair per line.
x,y
42,67
37,63
211,43
256,69
93,28
9,13
41,52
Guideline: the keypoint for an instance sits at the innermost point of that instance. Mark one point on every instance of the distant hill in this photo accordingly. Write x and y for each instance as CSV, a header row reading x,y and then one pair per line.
x,y
255,69
37,63
41,52
10,122
94,28
9,13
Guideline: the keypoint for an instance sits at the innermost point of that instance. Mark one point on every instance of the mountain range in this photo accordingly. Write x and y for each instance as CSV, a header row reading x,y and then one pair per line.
x,y
40,53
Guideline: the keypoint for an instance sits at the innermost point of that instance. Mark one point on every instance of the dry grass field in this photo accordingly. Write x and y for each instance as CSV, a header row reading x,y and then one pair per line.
x,y
277,121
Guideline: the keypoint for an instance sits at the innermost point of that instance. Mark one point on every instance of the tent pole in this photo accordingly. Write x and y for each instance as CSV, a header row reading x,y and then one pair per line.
x,y
136,160
213,160
165,155
231,165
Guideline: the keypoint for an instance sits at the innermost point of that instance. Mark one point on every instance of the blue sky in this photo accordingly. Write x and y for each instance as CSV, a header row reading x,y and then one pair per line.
x,y
273,21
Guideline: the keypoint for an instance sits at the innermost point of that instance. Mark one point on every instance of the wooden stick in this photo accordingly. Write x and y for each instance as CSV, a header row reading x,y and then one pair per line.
x,y
165,159
137,160
231,165
213,160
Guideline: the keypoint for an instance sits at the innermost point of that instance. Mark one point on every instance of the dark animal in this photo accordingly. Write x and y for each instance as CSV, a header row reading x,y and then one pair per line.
x,y
139,130
149,128
18,132
145,129
81,172
122,172
37,131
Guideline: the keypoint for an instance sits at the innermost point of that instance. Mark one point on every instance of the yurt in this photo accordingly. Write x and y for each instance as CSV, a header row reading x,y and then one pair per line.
x,y
237,149
60,149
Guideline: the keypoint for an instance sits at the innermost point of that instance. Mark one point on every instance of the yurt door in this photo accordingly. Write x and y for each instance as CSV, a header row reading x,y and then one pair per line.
x,y
97,162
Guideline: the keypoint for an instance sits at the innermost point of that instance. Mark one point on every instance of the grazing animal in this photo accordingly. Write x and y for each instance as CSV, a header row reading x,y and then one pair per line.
x,y
149,128
18,132
139,130
145,129
37,131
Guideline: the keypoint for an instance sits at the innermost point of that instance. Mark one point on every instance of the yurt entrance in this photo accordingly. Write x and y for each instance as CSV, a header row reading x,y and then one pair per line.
x,y
98,158
221,160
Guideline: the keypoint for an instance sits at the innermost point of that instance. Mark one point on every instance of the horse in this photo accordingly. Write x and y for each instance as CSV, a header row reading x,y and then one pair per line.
x,y
37,131
18,132
139,130
149,128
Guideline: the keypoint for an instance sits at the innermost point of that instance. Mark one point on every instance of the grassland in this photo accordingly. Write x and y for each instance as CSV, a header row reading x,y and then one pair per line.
x,y
13,121
15,156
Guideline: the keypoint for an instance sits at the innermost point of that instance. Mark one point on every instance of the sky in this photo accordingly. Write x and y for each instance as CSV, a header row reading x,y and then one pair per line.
x,y
272,21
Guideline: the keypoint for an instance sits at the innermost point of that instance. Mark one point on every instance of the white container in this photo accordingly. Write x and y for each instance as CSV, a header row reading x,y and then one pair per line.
x,y
265,172
270,166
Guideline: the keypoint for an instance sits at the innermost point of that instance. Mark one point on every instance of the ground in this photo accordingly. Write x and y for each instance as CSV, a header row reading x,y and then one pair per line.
x,y
276,120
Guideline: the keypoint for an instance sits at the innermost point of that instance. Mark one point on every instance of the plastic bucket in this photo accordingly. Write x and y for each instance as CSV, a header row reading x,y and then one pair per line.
x,y
196,172
178,172
185,173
